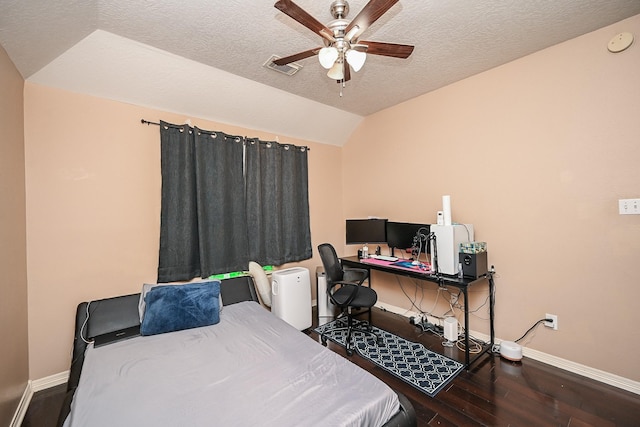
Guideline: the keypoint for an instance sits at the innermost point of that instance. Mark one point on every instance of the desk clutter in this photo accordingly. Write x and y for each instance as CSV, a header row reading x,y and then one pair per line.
x,y
421,267
449,250
450,247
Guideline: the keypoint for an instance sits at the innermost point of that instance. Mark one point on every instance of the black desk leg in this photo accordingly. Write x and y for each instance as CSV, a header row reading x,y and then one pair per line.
x,y
492,301
466,326
369,281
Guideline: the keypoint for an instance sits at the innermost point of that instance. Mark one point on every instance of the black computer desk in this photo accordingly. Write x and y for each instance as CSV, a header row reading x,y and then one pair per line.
x,y
442,280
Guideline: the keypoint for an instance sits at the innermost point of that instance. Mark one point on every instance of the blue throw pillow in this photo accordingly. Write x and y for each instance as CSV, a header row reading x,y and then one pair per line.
x,y
174,308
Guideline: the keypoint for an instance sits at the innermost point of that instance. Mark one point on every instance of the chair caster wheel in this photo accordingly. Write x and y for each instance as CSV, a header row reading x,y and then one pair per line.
x,y
324,341
349,352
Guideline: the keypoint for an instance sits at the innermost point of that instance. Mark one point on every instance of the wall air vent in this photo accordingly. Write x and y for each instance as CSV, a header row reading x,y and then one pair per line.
x,y
289,69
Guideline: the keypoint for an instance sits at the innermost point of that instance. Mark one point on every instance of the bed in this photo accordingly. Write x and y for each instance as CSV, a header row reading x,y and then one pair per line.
x,y
248,369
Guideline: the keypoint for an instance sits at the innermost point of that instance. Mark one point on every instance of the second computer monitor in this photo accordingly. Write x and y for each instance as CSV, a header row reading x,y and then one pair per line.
x,y
400,234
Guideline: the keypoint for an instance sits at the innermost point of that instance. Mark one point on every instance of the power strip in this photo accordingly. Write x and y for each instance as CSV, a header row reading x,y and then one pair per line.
x,y
422,322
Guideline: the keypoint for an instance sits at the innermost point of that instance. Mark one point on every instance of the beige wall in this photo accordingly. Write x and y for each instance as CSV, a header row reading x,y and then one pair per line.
x,y
14,370
93,207
535,154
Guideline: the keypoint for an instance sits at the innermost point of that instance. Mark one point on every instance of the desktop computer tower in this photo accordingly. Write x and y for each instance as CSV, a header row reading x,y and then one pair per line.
x,y
291,296
448,239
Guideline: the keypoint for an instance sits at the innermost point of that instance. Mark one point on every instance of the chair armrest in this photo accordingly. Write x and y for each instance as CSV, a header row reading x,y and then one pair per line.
x,y
352,294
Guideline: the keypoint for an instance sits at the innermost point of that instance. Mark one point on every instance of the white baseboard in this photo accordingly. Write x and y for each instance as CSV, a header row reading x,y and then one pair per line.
x,y
549,359
21,411
50,381
32,388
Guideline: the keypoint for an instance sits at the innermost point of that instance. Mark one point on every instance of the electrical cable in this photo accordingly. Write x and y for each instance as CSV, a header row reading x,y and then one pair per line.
x,y
435,303
418,306
85,324
407,295
466,228
418,240
533,327
475,345
473,312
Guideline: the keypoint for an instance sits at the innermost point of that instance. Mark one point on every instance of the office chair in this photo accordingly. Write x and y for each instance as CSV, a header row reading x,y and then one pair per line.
x,y
345,290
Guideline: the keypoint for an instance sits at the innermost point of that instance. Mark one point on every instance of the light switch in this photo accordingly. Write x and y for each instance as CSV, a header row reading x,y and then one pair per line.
x,y
629,206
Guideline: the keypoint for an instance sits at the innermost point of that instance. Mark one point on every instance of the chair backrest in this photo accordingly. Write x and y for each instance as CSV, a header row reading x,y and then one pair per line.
x,y
330,262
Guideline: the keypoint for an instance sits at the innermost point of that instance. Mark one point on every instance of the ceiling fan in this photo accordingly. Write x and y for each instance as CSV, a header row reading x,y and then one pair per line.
x,y
343,50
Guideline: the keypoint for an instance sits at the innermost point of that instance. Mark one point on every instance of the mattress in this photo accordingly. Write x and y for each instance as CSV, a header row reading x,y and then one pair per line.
x,y
251,369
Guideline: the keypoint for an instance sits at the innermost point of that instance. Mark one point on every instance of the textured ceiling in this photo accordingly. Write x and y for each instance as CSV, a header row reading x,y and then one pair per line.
x,y
126,50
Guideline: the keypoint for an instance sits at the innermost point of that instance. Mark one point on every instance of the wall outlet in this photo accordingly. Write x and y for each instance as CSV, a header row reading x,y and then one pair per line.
x,y
629,206
553,323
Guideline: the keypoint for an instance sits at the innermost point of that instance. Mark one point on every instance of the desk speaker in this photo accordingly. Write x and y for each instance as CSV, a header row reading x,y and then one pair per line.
x,y
474,265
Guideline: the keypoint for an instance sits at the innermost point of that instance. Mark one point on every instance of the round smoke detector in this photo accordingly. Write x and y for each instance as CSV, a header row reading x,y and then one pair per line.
x,y
620,42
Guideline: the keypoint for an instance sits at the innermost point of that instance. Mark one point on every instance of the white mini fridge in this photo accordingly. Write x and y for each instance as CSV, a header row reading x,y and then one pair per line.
x,y
291,296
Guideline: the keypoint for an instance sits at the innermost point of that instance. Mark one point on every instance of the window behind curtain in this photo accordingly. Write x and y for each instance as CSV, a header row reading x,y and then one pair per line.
x,y
217,214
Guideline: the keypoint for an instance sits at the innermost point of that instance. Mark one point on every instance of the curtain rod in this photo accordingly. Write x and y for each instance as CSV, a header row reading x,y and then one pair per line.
x,y
147,122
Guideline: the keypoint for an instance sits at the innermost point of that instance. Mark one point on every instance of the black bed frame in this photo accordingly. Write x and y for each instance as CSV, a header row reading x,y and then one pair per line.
x,y
113,314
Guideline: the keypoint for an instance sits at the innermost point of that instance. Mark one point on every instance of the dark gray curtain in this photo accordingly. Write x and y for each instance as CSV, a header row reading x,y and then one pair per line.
x,y
277,202
179,244
222,223
203,224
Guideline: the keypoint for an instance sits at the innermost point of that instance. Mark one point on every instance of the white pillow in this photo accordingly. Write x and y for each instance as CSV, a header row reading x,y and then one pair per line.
x,y
148,286
262,282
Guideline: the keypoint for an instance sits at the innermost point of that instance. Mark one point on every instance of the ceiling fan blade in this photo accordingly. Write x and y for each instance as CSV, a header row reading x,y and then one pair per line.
x,y
386,49
296,57
368,15
296,12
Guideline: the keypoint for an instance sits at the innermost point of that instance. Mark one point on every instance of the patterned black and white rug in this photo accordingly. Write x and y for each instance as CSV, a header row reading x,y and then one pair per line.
x,y
414,364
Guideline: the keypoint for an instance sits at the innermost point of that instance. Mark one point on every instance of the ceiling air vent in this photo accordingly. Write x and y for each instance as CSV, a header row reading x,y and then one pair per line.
x,y
288,69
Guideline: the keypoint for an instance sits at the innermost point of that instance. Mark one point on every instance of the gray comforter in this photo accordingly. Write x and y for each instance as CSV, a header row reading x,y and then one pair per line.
x,y
251,369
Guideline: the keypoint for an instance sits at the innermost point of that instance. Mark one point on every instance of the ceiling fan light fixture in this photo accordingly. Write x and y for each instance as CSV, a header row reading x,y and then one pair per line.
x,y
352,32
327,56
336,72
356,59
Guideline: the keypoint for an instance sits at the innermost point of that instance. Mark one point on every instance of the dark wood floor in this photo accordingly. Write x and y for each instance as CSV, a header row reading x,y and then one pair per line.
x,y
493,393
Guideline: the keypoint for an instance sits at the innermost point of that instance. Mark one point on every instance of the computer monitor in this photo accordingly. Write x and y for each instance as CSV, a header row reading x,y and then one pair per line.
x,y
361,231
400,235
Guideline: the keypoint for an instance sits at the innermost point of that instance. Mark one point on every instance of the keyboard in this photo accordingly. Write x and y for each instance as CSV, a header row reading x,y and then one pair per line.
x,y
384,257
